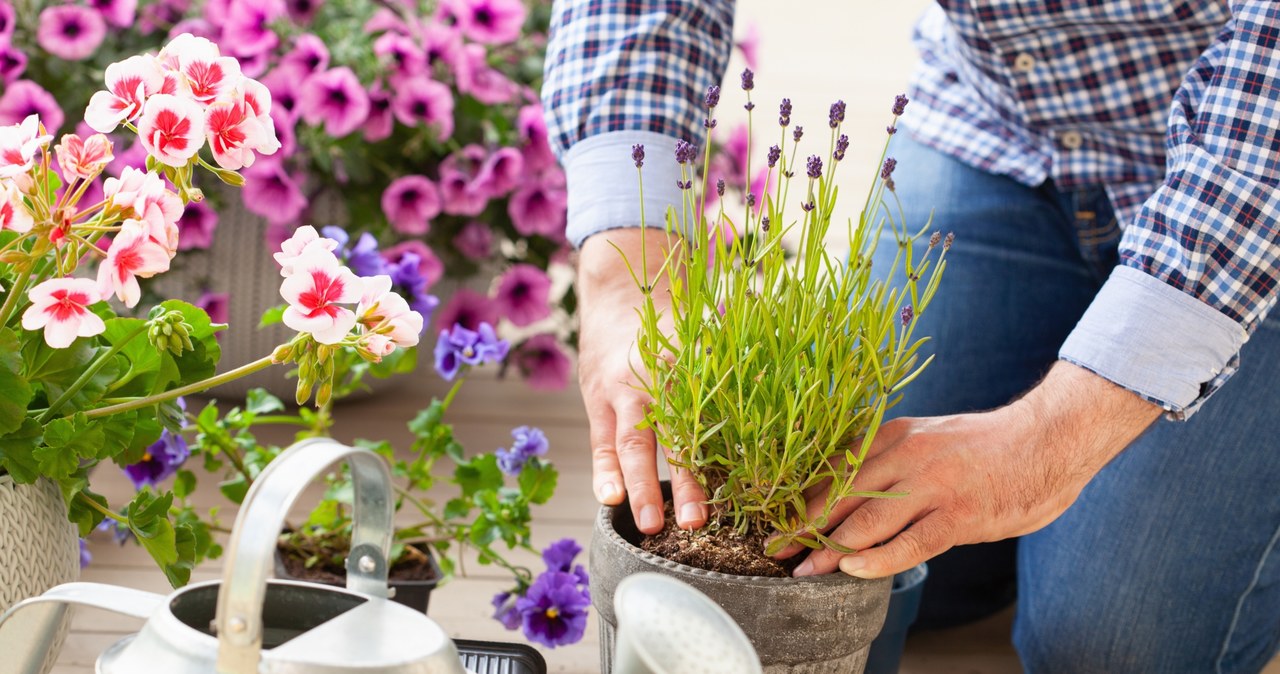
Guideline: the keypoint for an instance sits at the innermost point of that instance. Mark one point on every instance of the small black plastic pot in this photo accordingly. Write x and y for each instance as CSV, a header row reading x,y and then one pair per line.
x,y
416,594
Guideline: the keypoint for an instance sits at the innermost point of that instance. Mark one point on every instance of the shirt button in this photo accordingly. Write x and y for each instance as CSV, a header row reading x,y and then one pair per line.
x,y
1071,140
1024,63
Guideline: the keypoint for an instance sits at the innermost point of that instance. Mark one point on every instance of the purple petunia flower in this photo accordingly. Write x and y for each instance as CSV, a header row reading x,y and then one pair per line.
x,y
161,14
504,610
70,32
402,53
217,306
543,363
12,64
489,21
247,31
380,122
284,84
474,240
527,443
335,98
469,309
441,43
196,226
410,202
426,102
523,294
160,461
303,11
475,78
197,27
539,206
271,192
459,346
308,56
554,610
8,20
118,13
533,131
24,98
500,172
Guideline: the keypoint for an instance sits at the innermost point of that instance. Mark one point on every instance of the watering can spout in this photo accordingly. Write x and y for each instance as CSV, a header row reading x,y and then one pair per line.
x,y
28,629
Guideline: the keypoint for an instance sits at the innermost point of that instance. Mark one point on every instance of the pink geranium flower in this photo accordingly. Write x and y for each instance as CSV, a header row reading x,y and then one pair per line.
x,y
315,292
207,72
523,294
60,307
132,254
336,99
171,128
481,82
271,192
129,83
292,248
70,32
14,216
489,21
196,226
468,308
543,363
25,98
409,203
538,207
383,311
236,135
474,240
118,13
19,144
427,102
83,159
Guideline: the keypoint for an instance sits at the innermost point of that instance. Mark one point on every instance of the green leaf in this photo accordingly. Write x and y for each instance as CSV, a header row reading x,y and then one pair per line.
x,y
273,316
258,401
118,430
480,474
15,393
484,531
202,361
184,484
185,544
148,517
143,369
57,369
67,441
146,432
427,419
456,508
17,452
538,481
86,517
234,489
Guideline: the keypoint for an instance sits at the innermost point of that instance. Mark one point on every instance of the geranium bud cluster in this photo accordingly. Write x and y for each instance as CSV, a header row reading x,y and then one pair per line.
x,y
169,331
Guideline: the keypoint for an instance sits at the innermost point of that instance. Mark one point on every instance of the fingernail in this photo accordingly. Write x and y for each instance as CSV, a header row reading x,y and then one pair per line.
x,y
608,491
805,569
650,518
690,513
854,566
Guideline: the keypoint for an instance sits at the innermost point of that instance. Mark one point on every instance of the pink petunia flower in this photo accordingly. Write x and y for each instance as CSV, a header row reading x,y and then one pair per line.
x,y
410,202
533,131
380,122
539,206
217,305
468,308
481,82
19,144
171,128
119,13
25,98
750,45
85,158
132,254
247,31
429,265
427,102
8,21
442,43
196,226
292,248
309,56
457,177
285,86
70,32
12,63
405,58
383,311
523,294
474,240
215,11
14,215
162,14
207,72
303,11
543,363
385,20
60,307
315,292
336,99
197,27
489,21
129,83
271,192
500,172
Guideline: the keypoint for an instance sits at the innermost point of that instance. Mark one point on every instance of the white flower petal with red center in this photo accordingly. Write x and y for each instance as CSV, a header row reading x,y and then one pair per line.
x,y
60,307
14,215
315,291
208,79
293,247
171,129
19,144
132,254
386,312
129,83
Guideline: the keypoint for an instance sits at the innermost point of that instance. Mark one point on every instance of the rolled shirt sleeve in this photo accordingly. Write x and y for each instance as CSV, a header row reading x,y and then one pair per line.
x,y
1198,265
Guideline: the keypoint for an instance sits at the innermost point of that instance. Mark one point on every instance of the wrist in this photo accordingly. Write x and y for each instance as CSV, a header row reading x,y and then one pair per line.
x,y
603,280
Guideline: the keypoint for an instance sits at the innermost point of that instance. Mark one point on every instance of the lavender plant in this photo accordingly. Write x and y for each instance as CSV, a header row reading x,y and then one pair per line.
x,y
770,361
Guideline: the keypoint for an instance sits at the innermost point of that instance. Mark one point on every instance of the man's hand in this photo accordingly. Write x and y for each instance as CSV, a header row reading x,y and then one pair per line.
x,y
624,459
975,478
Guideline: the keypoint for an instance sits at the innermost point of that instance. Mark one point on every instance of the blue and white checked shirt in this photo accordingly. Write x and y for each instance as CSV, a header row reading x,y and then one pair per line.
x,y
1173,107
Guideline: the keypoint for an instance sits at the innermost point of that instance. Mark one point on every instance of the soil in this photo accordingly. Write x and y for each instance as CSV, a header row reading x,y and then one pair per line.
x,y
415,565
719,549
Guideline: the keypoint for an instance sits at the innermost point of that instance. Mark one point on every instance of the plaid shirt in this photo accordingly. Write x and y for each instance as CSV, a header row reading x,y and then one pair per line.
x,y
1173,107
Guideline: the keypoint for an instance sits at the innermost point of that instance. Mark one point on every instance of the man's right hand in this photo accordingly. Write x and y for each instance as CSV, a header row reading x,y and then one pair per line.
x,y
623,458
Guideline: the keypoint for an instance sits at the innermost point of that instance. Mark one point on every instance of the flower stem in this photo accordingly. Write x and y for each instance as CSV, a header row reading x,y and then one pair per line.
x,y
205,384
88,374
11,300
100,508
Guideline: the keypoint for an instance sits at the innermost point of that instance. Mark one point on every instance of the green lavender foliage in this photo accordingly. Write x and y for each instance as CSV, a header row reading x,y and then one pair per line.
x,y
771,372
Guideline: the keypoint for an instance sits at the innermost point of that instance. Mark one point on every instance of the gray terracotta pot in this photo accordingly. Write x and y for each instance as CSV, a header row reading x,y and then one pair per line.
x,y
815,625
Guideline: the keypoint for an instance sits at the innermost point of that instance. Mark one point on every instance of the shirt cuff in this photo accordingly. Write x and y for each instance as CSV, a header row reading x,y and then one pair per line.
x,y
604,184
1156,341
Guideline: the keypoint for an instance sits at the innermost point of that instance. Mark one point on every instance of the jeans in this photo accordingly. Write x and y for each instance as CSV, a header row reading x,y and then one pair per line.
x,y
1168,562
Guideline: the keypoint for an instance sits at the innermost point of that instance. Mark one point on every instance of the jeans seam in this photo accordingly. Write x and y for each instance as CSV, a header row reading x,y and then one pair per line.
x,y
1253,583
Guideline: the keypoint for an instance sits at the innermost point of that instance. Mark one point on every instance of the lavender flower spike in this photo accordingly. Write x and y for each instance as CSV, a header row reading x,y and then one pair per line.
x,y
637,154
748,79
784,112
842,146
797,133
685,152
775,153
836,116
713,96
899,105
887,170
814,167
908,313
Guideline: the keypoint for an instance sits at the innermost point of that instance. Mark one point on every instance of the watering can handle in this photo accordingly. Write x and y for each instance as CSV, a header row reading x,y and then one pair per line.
x,y
257,528
27,629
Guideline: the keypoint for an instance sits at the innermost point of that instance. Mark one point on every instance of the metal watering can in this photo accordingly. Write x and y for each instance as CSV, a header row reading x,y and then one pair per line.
x,y
249,623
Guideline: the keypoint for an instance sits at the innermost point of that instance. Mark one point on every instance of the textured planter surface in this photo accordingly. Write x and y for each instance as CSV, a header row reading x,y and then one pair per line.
x,y
39,547
817,625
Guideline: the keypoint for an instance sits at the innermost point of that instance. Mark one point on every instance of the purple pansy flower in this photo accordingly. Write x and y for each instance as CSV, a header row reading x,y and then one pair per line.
x,y
527,443
160,461
86,558
363,258
336,99
410,202
425,264
459,346
559,556
196,226
70,32
468,308
504,610
543,363
24,98
411,279
523,294
554,610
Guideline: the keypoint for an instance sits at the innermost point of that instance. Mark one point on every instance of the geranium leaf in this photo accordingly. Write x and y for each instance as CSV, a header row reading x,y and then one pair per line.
x,y
15,393
202,361
143,369
16,452
480,474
